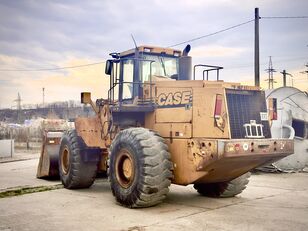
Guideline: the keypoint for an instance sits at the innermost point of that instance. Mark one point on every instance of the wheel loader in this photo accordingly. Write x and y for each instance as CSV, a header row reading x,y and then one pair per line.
x,y
165,122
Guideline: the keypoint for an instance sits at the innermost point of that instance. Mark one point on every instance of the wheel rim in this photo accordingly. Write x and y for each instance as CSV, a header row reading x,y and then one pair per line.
x,y
125,171
65,160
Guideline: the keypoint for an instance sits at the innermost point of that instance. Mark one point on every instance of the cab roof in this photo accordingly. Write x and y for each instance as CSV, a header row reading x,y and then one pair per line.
x,y
154,50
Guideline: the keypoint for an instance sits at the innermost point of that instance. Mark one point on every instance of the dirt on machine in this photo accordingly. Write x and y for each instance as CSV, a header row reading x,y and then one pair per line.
x,y
160,125
53,130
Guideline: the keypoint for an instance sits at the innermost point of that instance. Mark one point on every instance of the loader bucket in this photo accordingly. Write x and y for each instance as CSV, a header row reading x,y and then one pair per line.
x,y
48,163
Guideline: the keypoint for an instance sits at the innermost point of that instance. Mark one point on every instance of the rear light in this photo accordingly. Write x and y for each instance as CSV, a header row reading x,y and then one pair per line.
x,y
237,147
218,115
245,146
218,106
230,147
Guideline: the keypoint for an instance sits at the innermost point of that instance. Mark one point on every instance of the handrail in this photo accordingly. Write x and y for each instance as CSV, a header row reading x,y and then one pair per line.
x,y
253,130
212,68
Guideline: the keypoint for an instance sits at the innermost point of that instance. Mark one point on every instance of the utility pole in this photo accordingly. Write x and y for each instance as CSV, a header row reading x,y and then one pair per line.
x,y
306,71
270,72
18,107
257,53
43,96
18,100
284,76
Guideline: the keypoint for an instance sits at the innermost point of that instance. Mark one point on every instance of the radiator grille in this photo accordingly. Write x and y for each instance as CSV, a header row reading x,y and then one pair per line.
x,y
244,106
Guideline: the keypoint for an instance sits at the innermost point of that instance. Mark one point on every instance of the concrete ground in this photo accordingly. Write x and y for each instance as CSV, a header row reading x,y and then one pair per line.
x,y
271,202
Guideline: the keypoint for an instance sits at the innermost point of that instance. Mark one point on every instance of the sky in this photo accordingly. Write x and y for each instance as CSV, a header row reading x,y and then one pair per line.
x,y
50,34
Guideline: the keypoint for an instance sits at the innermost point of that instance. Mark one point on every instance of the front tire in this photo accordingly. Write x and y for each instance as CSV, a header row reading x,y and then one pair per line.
x,y
140,169
75,173
224,189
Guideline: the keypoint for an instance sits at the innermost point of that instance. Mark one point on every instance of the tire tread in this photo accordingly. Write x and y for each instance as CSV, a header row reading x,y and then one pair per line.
x,y
156,169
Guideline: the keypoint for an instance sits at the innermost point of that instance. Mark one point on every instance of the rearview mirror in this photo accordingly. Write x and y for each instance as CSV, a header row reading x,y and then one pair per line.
x,y
86,97
108,67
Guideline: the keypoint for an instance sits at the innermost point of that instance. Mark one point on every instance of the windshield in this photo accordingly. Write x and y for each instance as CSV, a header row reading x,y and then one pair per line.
x,y
162,66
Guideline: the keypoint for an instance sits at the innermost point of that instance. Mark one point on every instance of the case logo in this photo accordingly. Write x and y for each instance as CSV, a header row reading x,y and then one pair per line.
x,y
177,99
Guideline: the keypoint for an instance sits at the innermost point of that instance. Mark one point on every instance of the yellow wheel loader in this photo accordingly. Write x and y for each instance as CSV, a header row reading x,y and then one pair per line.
x,y
159,125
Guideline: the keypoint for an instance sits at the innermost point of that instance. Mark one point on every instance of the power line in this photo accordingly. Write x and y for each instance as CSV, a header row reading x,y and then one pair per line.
x,y
51,69
250,65
90,64
237,25
174,45
301,80
284,17
211,34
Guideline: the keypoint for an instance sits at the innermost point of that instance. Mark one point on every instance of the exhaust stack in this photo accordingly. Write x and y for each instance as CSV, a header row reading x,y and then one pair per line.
x,y
185,65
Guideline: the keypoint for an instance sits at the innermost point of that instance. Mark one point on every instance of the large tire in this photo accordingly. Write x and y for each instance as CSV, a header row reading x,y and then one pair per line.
x,y
224,189
140,169
75,173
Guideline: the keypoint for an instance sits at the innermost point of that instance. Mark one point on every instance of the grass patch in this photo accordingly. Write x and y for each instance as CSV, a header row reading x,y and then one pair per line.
x,y
27,190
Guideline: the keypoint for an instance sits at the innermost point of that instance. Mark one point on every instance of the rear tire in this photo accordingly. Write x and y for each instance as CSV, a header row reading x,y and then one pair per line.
x,y
140,169
75,173
224,189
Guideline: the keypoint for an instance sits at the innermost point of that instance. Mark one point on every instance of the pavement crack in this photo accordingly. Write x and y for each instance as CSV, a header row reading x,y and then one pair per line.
x,y
184,204
26,190
272,187
4,161
191,214
179,217
206,210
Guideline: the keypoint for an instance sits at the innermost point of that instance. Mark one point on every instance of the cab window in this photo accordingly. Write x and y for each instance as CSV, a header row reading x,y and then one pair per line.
x,y
128,75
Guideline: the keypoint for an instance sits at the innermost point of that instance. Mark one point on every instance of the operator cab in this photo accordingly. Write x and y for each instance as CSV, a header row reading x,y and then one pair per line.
x,y
132,70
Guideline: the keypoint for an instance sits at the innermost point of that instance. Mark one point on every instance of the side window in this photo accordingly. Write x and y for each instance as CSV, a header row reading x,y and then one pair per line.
x,y
128,78
157,68
146,70
171,66
114,87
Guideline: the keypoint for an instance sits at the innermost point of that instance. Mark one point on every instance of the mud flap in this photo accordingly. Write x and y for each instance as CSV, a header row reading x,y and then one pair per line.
x,y
48,163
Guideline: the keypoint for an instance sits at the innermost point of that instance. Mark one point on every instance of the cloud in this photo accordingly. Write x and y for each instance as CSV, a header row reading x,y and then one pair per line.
x,y
61,88
59,85
36,34
216,51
